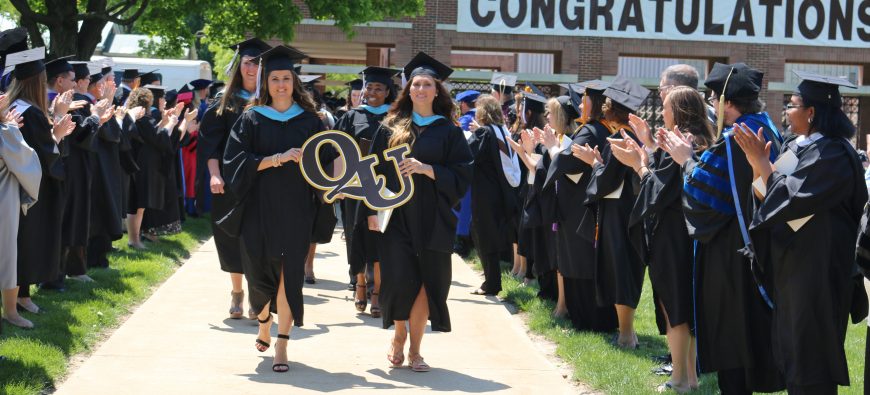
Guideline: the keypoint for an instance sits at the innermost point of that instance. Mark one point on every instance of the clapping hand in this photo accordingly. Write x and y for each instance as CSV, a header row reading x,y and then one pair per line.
x,y
641,130
586,154
109,89
675,144
63,128
628,152
103,110
136,112
61,103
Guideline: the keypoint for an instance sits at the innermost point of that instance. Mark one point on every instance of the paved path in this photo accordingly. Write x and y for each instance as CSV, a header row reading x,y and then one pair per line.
x,y
180,342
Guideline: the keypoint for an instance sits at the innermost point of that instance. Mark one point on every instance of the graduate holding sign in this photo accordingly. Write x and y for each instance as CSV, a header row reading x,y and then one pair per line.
x,y
276,214
361,123
811,201
417,243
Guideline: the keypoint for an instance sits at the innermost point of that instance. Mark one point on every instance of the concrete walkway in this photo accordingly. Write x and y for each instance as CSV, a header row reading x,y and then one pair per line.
x,y
180,342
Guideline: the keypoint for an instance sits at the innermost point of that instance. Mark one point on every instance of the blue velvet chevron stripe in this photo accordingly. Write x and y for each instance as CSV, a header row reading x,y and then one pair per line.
x,y
701,175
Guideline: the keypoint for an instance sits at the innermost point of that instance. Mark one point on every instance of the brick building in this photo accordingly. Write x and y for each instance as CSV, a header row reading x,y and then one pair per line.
x,y
559,58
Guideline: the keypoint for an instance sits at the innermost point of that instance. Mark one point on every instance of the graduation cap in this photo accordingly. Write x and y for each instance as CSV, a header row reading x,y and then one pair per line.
x,y
156,90
27,63
150,77
533,102
215,87
355,85
503,83
252,47
200,84
822,89
743,82
571,109
530,87
12,41
591,87
627,93
280,57
171,96
130,74
81,70
380,75
469,96
58,66
309,79
423,64
185,94
96,72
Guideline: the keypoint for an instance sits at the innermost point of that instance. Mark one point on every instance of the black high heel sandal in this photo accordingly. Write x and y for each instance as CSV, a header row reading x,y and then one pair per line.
x,y
360,303
281,367
261,345
376,309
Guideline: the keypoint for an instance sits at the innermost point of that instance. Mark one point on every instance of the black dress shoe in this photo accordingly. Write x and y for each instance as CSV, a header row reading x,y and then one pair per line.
x,y
56,285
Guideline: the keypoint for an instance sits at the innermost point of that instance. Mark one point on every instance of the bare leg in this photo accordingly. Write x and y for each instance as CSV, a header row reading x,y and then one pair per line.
x,y
396,354
238,297
417,323
691,367
627,336
678,343
377,291
236,279
309,260
10,310
561,307
134,223
285,323
515,271
265,329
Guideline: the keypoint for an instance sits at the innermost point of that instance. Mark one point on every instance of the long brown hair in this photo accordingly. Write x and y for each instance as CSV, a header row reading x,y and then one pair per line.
x,y
690,115
300,95
32,90
399,119
488,111
229,100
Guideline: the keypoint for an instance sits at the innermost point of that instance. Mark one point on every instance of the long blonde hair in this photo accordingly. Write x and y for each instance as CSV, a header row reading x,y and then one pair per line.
x,y
32,90
562,124
400,118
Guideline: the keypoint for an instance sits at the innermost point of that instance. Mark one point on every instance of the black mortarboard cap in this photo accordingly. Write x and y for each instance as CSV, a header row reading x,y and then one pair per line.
x,y
744,83
280,57
150,77
185,88
58,66
81,70
591,87
170,97
156,90
95,71
355,85
130,74
627,93
503,82
200,84
12,41
423,64
817,88
381,75
309,79
252,47
571,110
533,102
27,63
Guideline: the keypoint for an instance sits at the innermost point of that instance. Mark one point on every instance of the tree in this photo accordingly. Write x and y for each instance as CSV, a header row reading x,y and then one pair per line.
x,y
75,26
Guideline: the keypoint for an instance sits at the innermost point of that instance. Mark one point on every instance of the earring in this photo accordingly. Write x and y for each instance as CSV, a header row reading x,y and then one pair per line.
x,y
809,120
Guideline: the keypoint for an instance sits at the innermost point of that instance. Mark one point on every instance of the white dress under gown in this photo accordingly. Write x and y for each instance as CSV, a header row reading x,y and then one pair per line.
x,y
20,174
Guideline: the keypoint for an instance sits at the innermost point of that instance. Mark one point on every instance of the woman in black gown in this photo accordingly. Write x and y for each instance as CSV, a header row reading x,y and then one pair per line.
x,y
214,131
811,202
39,232
496,174
362,243
276,211
418,241
611,192
658,229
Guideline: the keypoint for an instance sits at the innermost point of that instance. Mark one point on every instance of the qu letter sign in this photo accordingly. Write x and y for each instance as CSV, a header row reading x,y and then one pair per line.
x,y
359,180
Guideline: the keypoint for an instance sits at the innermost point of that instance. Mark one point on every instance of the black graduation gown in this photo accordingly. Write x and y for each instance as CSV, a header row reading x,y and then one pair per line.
x,y
39,232
362,243
79,147
416,247
148,189
576,254
493,200
166,219
659,234
539,215
127,159
277,209
732,321
214,130
106,198
121,96
619,271
813,267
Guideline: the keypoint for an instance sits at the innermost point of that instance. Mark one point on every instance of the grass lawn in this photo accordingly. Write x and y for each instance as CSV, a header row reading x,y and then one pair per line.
x,y
76,320
614,371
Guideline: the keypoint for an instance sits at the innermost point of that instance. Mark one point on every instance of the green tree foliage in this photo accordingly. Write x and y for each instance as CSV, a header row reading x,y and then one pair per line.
x,y
179,23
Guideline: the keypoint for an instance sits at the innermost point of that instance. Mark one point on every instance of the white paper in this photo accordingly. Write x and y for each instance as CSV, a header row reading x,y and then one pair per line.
x,y
20,105
796,224
385,215
759,186
617,193
786,163
575,178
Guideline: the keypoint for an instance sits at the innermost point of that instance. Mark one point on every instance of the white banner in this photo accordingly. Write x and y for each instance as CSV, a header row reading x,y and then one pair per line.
x,y
829,23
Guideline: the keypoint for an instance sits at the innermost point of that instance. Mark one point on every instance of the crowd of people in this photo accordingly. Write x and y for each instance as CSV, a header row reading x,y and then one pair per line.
x,y
748,232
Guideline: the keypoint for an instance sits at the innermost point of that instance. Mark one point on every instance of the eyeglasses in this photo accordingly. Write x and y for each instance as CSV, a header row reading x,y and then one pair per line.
x,y
665,88
792,106
712,99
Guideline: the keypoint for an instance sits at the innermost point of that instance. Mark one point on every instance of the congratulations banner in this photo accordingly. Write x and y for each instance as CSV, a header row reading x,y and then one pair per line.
x,y
844,23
